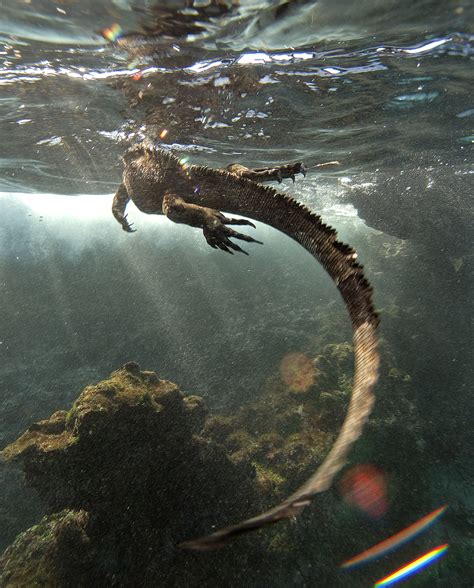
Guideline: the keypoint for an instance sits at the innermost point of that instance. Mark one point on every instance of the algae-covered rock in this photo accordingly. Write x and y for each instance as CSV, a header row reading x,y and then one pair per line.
x,y
332,409
37,556
127,476
218,428
78,459
287,431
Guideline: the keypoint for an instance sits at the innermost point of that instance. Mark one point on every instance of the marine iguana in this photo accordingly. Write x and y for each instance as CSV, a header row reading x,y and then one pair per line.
x,y
159,183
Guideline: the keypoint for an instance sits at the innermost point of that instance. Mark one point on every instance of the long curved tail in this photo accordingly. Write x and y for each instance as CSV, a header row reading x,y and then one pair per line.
x,y
282,212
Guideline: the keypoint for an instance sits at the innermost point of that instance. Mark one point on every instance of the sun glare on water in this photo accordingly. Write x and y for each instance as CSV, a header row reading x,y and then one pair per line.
x,y
83,207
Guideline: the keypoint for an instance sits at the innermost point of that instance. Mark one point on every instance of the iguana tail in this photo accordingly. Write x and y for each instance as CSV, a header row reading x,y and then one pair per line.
x,y
282,212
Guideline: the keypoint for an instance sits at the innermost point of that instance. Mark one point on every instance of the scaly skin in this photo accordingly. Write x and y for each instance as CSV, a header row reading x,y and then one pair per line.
x,y
158,183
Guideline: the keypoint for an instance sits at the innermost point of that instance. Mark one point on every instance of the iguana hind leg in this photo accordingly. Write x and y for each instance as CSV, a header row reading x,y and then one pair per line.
x,y
267,174
212,222
121,199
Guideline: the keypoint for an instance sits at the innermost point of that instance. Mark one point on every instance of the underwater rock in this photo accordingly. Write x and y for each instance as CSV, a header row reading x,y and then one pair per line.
x,y
127,478
331,409
335,366
444,224
126,473
285,435
218,428
37,556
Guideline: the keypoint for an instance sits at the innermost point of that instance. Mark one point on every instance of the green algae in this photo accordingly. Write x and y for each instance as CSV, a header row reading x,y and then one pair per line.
x,y
128,456
274,442
35,557
269,479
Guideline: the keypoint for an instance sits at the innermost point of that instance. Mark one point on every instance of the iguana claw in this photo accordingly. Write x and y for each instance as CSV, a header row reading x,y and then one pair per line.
x,y
126,226
218,235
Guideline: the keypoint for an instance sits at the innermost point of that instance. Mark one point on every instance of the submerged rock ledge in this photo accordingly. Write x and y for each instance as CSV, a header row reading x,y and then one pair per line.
x,y
125,476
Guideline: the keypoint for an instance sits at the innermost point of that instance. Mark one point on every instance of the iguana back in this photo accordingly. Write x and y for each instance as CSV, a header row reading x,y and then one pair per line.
x,y
226,192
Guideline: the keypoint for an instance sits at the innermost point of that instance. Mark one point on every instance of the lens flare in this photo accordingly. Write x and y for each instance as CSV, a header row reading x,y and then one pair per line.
x,y
414,567
112,33
396,540
364,486
297,371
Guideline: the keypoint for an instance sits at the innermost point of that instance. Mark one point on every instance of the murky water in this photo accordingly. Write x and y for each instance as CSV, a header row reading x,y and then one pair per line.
x,y
376,99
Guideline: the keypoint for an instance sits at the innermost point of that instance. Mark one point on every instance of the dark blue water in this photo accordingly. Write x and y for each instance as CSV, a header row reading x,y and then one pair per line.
x,y
381,92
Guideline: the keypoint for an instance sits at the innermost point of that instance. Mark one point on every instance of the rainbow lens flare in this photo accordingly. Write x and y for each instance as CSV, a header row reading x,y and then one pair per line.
x,y
112,33
414,567
396,540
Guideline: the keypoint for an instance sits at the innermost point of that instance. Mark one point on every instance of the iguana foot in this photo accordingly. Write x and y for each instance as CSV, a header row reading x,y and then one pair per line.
x,y
119,204
212,222
218,235
267,174
126,226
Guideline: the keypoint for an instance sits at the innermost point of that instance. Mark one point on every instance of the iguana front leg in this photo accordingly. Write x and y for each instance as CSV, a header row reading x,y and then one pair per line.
x,y
119,205
267,174
212,222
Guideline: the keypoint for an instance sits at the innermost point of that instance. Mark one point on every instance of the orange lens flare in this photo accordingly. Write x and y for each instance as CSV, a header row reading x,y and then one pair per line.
x,y
364,486
297,371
